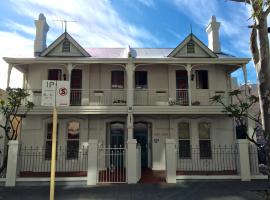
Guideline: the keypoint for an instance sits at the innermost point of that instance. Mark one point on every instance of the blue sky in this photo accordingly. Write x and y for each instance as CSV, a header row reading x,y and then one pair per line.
x,y
118,23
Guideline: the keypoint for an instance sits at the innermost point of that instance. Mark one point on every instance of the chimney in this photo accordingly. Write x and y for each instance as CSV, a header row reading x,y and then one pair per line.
x,y
213,35
41,34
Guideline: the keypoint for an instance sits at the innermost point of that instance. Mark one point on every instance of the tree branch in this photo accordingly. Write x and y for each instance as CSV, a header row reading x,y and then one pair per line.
x,y
254,45
241,1
267,11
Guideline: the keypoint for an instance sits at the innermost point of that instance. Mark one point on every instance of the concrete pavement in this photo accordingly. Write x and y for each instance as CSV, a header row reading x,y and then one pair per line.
x,y
185,190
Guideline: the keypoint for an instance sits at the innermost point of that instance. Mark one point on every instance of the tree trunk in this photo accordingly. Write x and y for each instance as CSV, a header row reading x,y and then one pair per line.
x,y
263,72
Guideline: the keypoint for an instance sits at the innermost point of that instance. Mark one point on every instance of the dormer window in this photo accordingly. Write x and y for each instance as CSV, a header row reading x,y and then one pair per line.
x,y
191,47
66,46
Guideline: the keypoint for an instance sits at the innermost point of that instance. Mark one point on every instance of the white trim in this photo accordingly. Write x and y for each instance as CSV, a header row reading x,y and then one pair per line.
x,y
48,179
206,177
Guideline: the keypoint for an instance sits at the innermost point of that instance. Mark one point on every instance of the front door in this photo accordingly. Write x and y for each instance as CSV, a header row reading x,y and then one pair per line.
x,y
116,144
141,135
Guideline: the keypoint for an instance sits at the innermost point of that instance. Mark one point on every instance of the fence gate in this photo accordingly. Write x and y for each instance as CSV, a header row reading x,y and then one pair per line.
x,y
111,165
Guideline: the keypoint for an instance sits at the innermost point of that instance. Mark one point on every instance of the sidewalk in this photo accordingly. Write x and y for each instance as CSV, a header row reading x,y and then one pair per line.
x,y
185,190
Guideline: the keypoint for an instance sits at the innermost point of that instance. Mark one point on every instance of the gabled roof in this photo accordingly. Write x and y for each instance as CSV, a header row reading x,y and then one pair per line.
x,y
208,51
59,40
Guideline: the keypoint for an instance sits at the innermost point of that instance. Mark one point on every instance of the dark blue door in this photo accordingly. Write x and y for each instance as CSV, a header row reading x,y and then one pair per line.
x,y
141,135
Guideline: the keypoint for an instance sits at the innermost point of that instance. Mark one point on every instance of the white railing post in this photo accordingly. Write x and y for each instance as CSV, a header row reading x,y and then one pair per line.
x,y
11,174
131,161
170,147
244,160
92,171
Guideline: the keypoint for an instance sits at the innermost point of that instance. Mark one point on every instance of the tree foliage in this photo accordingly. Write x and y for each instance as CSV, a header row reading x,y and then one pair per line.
x,y
239,110
15,98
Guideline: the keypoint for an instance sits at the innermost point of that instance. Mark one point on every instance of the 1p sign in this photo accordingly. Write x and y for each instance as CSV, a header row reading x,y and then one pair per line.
x,y
62,93
55,93
48,93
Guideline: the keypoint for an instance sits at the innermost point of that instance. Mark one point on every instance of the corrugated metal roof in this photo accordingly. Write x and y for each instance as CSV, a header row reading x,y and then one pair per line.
x,y
137,52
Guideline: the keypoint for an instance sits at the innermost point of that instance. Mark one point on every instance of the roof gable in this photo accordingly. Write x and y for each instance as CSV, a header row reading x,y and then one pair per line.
x,y
201,50
55,49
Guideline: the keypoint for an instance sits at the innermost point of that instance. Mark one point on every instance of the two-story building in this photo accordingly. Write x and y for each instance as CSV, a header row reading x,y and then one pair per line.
x,y
149,94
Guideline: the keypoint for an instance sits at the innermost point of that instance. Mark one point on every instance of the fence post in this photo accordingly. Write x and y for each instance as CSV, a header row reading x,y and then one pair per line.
x,y
170,160
244,160
11,174
131,161
92,171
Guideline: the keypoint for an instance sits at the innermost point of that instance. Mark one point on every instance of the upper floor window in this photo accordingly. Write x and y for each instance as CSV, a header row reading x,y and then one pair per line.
x,y
73,138
117,79
202,79
66,46
48,143
140,79
191,47
205,140
184,140
54,74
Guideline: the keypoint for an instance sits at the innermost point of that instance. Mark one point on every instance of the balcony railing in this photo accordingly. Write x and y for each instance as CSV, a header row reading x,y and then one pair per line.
x,y
142,97
95,97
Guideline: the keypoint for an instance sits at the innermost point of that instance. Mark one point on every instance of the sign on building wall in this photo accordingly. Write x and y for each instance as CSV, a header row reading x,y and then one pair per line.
x,y
55,93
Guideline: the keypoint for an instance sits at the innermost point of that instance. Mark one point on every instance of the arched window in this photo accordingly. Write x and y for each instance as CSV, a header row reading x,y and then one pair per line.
x,y
66,46
205,140
191,47
184,140
73,139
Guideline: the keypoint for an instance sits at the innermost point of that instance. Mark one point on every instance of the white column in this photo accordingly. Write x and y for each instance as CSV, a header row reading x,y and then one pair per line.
x,y
130,125
11,174
170,148
244,68
92,171
244,160
188,68
69,68
130,69
10,66
131,161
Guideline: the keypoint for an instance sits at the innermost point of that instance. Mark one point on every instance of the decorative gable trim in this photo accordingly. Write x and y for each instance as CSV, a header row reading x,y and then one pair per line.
x,y
208,51
59,40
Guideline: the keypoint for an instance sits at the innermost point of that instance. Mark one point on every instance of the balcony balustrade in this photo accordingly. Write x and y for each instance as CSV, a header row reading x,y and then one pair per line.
x,y
142,97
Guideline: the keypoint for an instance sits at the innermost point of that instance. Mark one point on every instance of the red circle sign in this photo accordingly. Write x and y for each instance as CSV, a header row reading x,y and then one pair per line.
x,y
63,91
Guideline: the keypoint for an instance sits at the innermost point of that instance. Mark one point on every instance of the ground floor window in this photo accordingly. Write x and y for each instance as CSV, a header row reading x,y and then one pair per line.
x,y
73,140
184,140
205,140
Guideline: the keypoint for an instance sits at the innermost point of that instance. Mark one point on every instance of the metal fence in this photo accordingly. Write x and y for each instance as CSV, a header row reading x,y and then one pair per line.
x,y
2,157
111,165
35,162
256,157
219,160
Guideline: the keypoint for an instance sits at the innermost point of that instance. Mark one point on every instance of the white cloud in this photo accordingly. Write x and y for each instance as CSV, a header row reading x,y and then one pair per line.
x,y
13,45
97,25
148,3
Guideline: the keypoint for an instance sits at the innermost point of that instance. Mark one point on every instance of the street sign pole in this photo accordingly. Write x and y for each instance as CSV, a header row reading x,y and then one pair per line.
x,y
53,157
